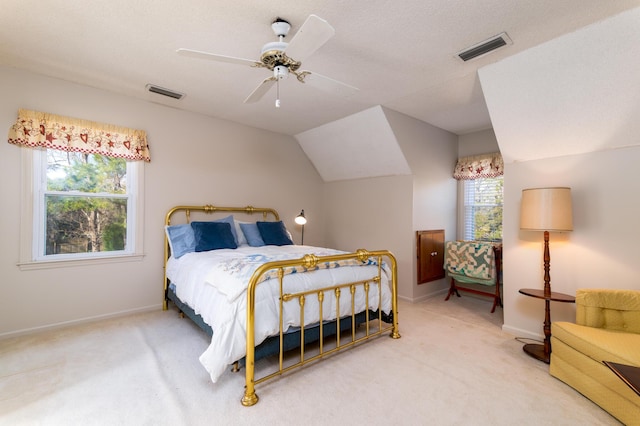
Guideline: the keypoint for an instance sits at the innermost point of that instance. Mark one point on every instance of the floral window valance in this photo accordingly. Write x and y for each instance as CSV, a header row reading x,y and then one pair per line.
x,y
39,129
479,166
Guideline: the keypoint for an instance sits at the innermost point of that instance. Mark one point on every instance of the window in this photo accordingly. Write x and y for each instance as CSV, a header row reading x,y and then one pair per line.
x,y
482,209
480,192
84,205
82,186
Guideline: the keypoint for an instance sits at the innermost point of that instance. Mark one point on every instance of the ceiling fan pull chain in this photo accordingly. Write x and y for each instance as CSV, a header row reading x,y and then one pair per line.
x,y
277,93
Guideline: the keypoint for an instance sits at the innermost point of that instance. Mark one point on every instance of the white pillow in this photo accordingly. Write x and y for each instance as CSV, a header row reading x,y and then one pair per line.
x,y
242,240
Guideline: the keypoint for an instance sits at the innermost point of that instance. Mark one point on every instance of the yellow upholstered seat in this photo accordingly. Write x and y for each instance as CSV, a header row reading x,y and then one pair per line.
x,y
607,328
609,309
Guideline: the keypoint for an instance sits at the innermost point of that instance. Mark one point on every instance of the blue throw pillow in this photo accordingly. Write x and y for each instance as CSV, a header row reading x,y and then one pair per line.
x,y
181,239
213,236
229,220
252,234
274,233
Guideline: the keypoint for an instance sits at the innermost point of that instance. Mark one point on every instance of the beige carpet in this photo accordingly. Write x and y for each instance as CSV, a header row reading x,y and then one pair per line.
x,y
452,366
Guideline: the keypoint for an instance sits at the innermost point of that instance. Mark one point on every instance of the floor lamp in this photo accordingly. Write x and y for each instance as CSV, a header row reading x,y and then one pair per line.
x,y
546,209
301,220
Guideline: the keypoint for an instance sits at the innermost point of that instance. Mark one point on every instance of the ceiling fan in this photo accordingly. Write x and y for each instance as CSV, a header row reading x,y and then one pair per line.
x,y
286,58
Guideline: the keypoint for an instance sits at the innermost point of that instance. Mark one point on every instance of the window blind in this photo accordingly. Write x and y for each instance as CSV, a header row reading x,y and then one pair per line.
x,y
482,209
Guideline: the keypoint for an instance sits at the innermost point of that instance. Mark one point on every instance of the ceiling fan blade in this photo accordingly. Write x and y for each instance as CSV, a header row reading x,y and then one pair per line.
x,y
312,34
329,84
217,58
260,91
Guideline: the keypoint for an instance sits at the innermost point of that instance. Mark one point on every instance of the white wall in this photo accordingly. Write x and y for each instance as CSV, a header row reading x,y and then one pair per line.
x,y
194,160
385,212
431,153
374,214
602,250
199,160
599,253
565,113
476,143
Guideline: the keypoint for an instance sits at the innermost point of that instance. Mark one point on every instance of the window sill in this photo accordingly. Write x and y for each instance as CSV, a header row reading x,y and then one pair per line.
x,y
70,263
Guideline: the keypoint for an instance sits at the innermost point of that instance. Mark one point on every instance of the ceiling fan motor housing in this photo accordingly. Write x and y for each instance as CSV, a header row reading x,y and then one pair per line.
x,y
273,55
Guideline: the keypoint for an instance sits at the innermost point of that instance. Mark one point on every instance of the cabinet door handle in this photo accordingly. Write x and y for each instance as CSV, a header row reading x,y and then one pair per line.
x,y
434,253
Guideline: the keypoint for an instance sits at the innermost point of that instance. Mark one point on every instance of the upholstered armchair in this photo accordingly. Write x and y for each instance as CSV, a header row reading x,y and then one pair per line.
x,y
607,328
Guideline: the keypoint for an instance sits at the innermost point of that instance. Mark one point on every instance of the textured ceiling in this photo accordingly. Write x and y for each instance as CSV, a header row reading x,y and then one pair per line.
x,y
576,94
400,54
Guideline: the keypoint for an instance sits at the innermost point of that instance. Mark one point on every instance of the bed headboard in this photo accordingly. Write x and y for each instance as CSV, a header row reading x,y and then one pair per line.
x,y
208,209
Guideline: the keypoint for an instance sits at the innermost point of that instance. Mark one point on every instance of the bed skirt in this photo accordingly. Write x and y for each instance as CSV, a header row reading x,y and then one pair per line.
x,y
271,346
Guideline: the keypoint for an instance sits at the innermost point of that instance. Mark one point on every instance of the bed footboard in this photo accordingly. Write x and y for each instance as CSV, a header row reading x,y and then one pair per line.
x,y
310,261
375,323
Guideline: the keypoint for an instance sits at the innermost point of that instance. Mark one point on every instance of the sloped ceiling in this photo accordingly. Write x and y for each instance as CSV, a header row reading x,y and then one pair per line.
x,y
575,94
400,54
358,146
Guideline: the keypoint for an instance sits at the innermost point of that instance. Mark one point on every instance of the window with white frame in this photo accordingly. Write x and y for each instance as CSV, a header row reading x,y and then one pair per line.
x,y
482,209
481,197
84,205
82,190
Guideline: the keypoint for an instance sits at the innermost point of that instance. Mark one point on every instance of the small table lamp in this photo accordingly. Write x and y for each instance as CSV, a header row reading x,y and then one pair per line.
x,y
546,209
301,220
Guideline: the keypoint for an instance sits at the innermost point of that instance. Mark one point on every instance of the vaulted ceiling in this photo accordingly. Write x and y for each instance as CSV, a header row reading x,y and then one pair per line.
x,y
575,94
401,55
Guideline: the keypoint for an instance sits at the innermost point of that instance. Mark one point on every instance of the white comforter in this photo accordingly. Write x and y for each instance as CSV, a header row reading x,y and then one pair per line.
x,y
214,285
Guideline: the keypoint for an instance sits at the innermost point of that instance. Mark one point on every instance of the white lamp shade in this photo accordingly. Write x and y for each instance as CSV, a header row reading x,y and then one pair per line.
x,y
300,219
546,209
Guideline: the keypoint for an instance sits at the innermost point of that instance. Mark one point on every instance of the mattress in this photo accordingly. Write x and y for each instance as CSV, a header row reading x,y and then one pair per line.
x,y
214,283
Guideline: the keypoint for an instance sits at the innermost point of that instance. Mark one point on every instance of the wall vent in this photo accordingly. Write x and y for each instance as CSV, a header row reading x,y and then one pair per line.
x,y
164,92
485,47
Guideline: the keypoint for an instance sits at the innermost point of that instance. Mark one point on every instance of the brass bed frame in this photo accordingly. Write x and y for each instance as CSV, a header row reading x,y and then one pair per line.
x,y
371,316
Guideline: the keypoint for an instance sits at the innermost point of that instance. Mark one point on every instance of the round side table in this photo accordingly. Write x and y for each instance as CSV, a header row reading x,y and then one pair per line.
x,y
542,352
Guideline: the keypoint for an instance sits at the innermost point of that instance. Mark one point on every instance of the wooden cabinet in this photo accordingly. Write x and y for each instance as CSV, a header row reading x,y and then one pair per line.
x,y
430,252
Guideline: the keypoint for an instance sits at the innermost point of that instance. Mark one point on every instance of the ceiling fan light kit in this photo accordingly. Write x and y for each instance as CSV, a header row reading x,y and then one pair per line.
x,y
280,72
278,57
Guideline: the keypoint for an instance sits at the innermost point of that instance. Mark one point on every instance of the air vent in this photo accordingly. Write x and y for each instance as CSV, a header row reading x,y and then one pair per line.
x,y
164,92
485,47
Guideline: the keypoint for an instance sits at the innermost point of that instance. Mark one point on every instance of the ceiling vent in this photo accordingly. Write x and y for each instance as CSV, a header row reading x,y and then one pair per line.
x,y
485,47
164,92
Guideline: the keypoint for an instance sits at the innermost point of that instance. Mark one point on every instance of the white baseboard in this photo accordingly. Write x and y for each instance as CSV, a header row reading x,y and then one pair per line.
x,y
64,324
519,332
425,296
